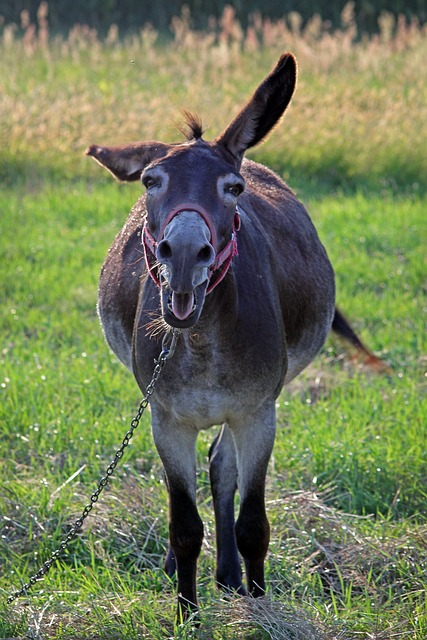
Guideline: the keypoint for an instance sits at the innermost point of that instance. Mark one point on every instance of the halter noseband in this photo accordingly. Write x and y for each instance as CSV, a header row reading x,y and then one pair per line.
x,y
223,258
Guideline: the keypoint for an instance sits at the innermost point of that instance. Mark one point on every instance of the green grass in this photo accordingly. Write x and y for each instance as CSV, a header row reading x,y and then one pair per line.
x,y
347,484
357,439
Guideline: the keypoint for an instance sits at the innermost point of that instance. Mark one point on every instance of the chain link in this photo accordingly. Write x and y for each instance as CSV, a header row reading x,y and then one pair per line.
x,y
166,353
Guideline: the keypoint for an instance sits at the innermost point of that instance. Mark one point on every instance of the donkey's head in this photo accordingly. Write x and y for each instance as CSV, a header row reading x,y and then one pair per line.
x,y
191,196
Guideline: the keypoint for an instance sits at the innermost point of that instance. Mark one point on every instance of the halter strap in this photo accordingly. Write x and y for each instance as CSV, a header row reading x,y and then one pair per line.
x,y
223,258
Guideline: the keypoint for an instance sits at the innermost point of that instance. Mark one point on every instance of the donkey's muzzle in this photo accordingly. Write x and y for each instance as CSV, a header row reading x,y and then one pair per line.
x,y
185,255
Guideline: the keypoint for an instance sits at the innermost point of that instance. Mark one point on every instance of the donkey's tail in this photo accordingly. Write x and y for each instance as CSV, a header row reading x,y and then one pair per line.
x,y
343,329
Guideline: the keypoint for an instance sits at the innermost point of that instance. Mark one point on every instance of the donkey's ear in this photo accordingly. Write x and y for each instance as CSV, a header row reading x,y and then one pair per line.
x,y
127,162
263,110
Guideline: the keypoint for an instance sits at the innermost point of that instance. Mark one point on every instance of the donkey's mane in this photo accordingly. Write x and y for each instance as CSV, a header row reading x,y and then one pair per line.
x,y
191,128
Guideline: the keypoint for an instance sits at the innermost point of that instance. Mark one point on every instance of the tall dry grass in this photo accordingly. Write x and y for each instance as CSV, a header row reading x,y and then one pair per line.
x,y
360,110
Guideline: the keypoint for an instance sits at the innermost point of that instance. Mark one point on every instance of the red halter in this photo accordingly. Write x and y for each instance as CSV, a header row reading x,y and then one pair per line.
x,y
222,262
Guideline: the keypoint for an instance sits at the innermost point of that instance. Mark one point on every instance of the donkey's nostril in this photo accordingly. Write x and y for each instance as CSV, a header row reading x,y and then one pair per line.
x,y
206,255
164,251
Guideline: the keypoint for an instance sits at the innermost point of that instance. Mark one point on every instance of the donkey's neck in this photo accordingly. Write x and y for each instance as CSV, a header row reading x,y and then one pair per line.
x,y
220,306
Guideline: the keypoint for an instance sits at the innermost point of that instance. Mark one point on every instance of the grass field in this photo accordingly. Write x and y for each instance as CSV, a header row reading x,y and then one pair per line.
x,y
347,485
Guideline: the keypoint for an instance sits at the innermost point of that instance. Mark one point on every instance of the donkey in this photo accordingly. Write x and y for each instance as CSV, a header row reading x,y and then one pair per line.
x,y
234,262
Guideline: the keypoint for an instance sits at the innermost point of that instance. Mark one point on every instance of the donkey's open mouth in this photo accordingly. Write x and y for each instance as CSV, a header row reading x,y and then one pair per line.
x,y
182,310
182,305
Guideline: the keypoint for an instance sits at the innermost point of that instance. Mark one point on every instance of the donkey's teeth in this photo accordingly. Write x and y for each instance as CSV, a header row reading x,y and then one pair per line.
x,y
182,305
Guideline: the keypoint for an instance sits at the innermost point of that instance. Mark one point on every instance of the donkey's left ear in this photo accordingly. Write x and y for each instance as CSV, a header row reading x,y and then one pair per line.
x,y
127,162
263,110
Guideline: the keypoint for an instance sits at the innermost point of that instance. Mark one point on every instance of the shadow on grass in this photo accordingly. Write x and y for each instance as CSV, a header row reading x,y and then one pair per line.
x,y
31,174
308,179
335,175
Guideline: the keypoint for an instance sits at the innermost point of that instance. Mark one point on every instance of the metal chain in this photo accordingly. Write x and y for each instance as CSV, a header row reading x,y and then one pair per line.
x,y
166,353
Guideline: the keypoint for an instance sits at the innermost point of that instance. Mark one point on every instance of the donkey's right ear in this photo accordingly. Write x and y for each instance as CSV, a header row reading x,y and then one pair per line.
x,y
127,162
263,110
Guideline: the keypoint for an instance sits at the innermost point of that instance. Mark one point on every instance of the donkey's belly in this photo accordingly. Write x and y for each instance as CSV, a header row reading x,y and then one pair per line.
x,y
305,350
202,409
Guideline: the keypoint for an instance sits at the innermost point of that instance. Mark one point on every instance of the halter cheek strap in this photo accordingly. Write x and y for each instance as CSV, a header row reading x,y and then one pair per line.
x,y
223,258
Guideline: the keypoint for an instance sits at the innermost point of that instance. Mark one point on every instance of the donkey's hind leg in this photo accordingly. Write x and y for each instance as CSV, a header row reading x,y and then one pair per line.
x,y
223,477
254,444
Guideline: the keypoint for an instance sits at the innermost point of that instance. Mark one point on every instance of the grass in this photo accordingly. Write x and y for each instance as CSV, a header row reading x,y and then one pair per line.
x,y
347,482
58,96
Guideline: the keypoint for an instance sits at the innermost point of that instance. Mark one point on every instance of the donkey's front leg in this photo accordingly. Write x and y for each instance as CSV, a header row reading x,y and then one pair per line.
x,y
254,444
176,447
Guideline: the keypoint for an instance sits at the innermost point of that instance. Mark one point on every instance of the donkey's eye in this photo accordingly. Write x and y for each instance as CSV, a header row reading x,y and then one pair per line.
x,y
234,189
149,182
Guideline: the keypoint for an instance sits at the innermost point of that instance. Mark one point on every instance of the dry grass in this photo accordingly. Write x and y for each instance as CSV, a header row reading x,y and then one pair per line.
x,y
360,109
348,549
350,558
277,620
